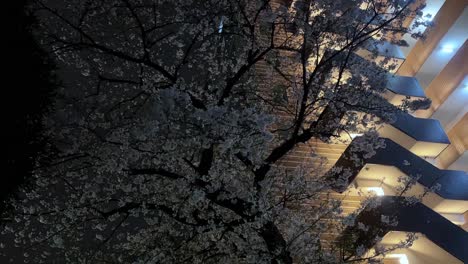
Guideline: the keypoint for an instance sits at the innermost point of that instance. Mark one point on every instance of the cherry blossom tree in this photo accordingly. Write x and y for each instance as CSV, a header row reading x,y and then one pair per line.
x,y
167,136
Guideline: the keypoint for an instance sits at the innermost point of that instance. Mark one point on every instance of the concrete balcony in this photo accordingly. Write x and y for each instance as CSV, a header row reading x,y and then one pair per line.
x,y
400,88
422,251
423,137
392,165
411,217
396,160
385,54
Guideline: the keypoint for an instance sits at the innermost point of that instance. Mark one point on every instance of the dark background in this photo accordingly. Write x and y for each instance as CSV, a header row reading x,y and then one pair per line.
x,y
27,92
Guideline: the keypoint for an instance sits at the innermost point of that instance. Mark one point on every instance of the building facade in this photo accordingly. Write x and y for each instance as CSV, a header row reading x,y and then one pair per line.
x,y
427,144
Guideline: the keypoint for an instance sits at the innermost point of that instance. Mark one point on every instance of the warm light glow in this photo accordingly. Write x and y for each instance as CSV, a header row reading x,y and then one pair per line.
x,y
364,6
377,190
448,48
401,257
458,219
353,135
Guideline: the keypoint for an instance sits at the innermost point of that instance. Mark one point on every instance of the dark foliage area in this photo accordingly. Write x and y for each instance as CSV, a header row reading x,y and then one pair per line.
x,y
27,94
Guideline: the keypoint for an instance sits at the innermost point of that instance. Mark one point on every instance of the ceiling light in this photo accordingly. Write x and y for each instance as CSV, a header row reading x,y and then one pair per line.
x,y
448,48
377,190
401,257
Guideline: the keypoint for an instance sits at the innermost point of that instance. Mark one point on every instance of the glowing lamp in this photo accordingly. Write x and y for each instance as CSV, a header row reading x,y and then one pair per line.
x,y
447,48
377,190
353,135
401,257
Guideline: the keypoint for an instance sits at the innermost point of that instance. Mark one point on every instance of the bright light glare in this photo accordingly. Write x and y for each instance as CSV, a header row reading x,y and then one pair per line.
x,y
377,190
353,135
401,257
448,48
221,25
